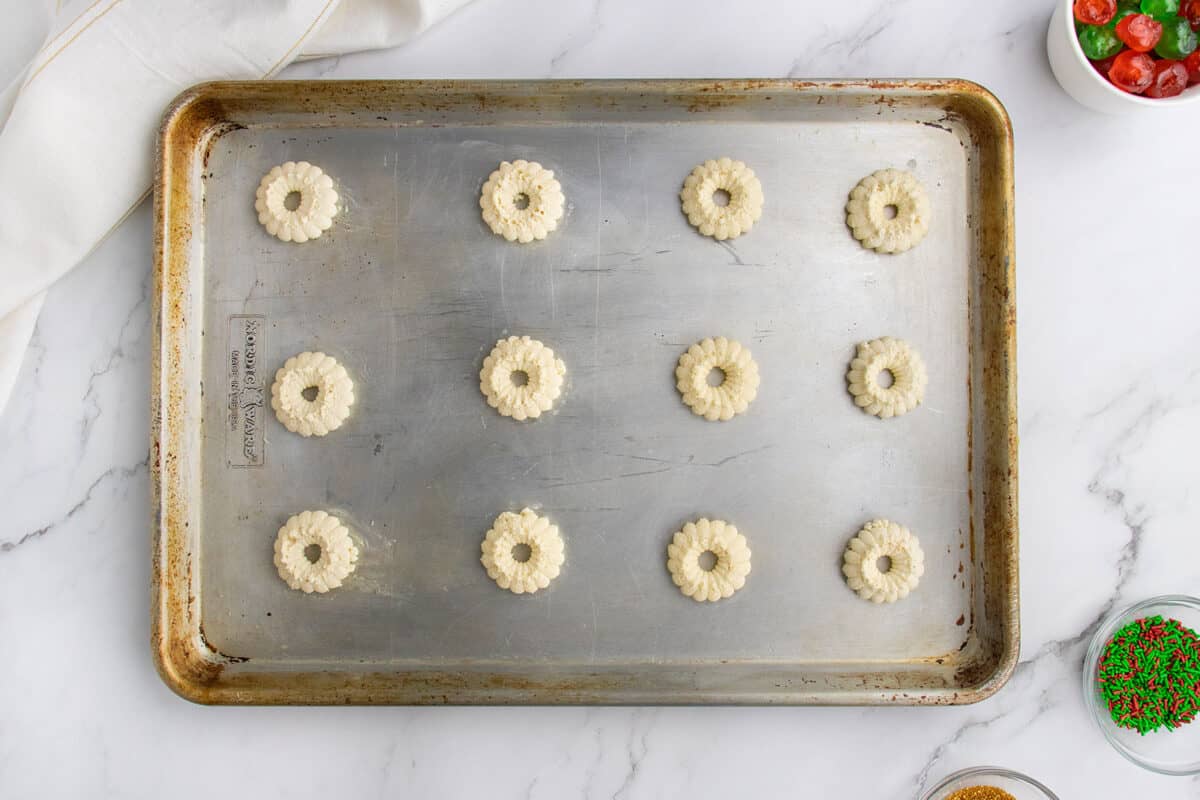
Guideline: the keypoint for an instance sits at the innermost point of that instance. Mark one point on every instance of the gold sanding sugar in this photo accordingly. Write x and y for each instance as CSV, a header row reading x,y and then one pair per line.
x,y
981,793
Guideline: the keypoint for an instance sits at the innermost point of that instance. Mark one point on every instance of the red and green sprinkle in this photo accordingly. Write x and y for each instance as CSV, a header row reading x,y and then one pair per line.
x,y
1149,675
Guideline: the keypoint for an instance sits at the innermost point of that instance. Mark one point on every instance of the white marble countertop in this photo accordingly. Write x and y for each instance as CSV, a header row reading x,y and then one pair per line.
x,y
1110,417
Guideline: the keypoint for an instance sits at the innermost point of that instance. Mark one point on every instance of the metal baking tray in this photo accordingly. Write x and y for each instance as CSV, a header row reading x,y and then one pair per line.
x,y
410,290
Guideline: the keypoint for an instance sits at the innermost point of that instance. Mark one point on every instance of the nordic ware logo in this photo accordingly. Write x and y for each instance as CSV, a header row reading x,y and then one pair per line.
x,y
247,395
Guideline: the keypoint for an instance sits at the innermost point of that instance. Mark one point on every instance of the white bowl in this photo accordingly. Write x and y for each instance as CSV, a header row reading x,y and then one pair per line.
x,y
1081,80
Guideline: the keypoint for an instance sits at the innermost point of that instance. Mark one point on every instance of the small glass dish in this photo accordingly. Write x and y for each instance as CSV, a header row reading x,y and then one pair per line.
x,y
1022,787
1169,752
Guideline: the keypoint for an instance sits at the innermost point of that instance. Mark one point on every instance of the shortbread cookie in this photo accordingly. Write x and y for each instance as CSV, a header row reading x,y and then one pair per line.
x,y
314,552
878,539
313,211
545,552
745,198
329,406
522,201
516,358
867,212
909,378
736,390
728,573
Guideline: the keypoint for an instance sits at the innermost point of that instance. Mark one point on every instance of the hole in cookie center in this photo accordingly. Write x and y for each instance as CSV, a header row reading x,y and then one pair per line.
x,y
886,378
890,211
519,377
721,198
707,560
716,376
522,553
313,553
884,564
310,393
292,201
521,201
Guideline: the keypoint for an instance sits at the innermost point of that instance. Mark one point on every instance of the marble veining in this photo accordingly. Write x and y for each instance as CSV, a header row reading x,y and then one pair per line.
x,y
1110,408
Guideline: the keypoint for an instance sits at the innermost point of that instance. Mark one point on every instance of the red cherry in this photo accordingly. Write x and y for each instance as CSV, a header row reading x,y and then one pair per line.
x,y
1190,10
1140,32
1170,79
1132,71
1095,12
1192,65
1105,65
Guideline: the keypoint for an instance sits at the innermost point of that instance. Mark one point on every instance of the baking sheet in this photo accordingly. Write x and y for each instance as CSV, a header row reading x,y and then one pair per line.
x,y
410,290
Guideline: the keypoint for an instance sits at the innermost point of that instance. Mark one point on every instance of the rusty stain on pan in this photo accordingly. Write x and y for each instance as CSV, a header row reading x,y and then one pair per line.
x,y
198,672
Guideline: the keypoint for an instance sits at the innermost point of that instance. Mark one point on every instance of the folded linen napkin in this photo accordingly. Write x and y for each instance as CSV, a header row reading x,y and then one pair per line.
x,y
77,142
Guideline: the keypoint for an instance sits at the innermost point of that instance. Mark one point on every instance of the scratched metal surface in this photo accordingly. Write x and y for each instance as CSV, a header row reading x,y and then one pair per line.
x,y
410,290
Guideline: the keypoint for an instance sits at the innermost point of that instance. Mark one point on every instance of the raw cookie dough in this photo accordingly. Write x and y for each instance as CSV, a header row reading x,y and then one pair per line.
x,y
878,539
867,216
908,377
745,198
512,182
723,541
543,377
733,395
338,553
325,412
545,552
317,207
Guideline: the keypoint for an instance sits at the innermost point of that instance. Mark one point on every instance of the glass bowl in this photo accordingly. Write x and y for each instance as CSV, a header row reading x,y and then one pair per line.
x,y
1169,752
1019,786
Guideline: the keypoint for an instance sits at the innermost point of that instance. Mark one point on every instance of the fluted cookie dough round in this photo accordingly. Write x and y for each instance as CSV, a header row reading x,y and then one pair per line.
x,y
516,183
733,394
867,211
542,371
545,552
721,539
745,198
328,408
878,539
312,215
909,377
336,553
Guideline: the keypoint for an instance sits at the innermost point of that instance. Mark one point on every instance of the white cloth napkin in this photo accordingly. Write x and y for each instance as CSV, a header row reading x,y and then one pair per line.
x,y
77,142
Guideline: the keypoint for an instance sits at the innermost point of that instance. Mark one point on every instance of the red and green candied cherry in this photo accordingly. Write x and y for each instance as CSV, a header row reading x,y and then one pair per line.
x,y
1190,10
1099,42
1132,71
1167,27
1139,32
1121,14
1161,10
1170,78
1095,12
1178,40
1104,65
1192,65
